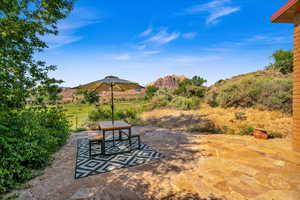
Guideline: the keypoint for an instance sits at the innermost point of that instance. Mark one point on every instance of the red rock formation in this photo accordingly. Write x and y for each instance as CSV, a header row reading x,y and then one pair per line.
x,y
170,81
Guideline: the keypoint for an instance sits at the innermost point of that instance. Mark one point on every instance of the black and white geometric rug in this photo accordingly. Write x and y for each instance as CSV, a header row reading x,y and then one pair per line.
x,y
101,164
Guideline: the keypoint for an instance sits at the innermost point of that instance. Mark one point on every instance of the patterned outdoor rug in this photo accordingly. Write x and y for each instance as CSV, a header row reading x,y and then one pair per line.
x,y
101,164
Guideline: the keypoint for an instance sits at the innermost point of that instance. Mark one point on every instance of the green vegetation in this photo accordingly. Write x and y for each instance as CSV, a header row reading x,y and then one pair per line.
x,y
81,116
150,91
104,113
28,135
213,100
191,87
246,130
283,61
266,90
78,114
184,103
89,97
27,140
186,97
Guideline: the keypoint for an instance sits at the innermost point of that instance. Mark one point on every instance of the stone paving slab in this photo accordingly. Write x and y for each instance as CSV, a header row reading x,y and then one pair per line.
x,y
225,166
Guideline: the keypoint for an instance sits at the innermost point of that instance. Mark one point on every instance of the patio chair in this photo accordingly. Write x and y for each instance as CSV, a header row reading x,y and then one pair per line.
x,y
135,135
96,139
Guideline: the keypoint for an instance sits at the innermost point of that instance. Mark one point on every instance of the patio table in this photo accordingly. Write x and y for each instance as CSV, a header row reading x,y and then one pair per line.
x,y
117,125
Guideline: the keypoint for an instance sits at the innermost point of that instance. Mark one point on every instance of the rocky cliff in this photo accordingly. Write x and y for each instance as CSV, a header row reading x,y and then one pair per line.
x,y
170,81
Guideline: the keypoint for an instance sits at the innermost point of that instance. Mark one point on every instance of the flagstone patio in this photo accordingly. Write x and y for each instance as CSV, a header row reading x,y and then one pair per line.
x,y
195,165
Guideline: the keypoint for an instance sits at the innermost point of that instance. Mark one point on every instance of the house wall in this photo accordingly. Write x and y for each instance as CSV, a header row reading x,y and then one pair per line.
x,y
296,90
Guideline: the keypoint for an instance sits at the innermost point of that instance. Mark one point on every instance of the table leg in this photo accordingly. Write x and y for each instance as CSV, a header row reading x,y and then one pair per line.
x,y
113,137
129,135
120,136
90,149
103,143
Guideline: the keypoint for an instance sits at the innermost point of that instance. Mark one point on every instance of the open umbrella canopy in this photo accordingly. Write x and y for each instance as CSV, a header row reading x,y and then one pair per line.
x,y
106,83
110,83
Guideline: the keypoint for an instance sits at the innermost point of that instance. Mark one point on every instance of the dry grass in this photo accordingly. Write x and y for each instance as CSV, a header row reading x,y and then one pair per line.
x,y
224,119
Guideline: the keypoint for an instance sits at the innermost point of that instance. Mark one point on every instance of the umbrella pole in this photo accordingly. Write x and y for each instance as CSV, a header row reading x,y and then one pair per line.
x,y
112,111
112,104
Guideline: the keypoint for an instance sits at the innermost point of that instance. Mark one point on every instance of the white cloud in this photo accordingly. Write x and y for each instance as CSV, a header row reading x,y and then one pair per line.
x,y
151,52
212,19
267,39
60,40
194,59
215,8
163,37
141,46
147,32
79,17
189,36
122,57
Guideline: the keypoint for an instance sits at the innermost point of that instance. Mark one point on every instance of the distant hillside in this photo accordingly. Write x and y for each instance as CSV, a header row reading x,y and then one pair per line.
x,y
170,81
69,95
266,89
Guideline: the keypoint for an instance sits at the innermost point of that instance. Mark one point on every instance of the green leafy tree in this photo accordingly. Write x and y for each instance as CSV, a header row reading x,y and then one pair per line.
x,y
150,91
89,97
191,87
28,135
22,23
283,61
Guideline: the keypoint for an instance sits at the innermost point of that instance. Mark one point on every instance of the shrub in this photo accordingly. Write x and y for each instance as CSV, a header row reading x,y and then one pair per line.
x,y
128,114
102,113
262,93
159,101
27,140
213,101
275,135
184,103
240,116
191,87
246,130
88,97
205,127
150,91
105,113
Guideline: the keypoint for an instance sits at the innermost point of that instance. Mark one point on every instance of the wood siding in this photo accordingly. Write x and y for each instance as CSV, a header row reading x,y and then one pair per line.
x,y
296,90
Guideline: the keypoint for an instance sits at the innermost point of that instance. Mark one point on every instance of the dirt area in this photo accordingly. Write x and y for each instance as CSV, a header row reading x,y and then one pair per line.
x,y
196,166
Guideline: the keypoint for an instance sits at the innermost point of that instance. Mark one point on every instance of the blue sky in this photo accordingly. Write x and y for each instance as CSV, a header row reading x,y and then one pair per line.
x,y
142,40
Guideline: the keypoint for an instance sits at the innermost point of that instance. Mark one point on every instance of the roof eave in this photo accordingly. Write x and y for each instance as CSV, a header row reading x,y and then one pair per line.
x,y
286,13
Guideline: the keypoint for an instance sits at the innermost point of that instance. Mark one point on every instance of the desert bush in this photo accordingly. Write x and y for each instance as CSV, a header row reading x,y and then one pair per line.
x,y
265,93
213,100
208,127
275,135
27,140
240,116
150,91
105,113
184,103
224,119
159,101
246,130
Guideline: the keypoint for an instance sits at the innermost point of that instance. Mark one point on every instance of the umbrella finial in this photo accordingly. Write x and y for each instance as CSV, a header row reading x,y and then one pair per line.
x,y
111,76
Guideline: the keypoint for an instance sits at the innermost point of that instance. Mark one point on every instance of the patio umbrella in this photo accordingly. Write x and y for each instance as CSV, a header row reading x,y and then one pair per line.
x,y
110,83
